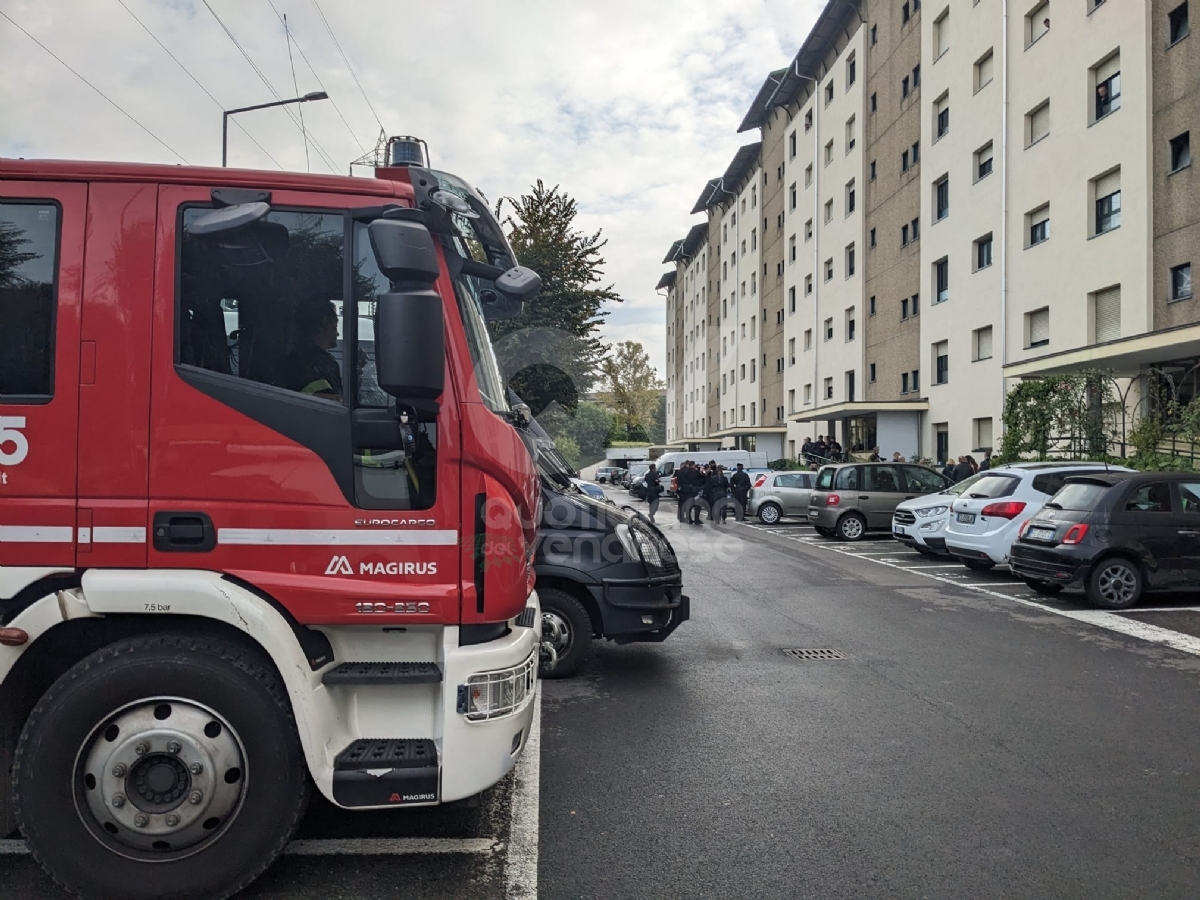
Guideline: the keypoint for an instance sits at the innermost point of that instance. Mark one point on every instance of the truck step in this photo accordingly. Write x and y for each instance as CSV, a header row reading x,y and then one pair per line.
x,y
386,772
383,673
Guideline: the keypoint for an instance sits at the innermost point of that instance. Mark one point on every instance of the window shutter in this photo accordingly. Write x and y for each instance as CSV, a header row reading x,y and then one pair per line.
x,y
1039,326
1108,68
984,438
984,350
1108,314
1109,184
1039,123
1039,215
985,70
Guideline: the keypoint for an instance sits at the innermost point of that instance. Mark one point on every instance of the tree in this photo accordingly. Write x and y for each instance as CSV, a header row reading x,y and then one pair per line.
x,y
633,388
552,351
658,423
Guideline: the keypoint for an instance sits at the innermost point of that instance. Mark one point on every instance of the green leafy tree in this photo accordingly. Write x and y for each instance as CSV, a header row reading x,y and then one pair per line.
x,y
632,389
658,423
552,351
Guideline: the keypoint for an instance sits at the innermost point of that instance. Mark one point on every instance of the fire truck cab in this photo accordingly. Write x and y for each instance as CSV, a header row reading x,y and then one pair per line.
x,y
266,519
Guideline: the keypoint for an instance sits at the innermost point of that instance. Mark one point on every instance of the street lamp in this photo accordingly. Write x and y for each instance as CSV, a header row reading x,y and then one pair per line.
x,y
315,95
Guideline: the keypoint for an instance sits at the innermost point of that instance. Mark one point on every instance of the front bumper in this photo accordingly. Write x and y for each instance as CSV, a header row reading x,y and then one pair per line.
x,y
641,609
930,535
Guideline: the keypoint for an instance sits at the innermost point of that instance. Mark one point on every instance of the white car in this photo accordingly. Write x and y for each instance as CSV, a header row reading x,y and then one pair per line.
x,y
985,518
921,522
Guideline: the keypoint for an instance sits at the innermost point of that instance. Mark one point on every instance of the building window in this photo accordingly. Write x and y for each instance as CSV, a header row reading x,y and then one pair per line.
x,y
914,304
792,249
1037,24
1181,281
916,381
1108,86
872,237
753,238
808,120
904,382
829,269
1181,151
808,339
981,433
829,92
1105,309
829,388
941,116
983,71
829,210
850,386
1037,123
903,161
851,71
793,195
983,252
850,261
1177,23
903,87
1037,327
941,362
941,34
916,153
915,228
850,196
808,230
829,329
808,285
874,102
871,170
941,280
849,134
941,198
753,285
871,373
792,145
851,331
807,394
903,309
1108,202
903,235
983,161
875,34
1039,225
808,175
791,351
904,14
791,300
829,152
871,306
981,343
754,195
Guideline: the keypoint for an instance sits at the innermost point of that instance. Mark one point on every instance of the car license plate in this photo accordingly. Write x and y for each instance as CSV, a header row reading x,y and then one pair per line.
x,y
1042,534
896,529
965,518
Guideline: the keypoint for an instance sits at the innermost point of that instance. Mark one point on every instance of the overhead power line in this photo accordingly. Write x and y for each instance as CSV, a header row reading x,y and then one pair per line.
x,y
304,57
321,152
113,102
197,81
287,33
333,37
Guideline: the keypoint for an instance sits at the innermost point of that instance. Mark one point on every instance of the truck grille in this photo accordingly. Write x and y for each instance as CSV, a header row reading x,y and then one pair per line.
x,y
655,549
904,517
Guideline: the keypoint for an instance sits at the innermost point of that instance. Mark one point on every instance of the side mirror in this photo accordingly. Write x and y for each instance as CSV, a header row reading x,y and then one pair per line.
x,y
404,251
410,343
519,283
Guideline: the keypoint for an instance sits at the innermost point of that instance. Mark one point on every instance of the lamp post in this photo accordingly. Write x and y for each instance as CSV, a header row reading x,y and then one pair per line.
x,y
315,95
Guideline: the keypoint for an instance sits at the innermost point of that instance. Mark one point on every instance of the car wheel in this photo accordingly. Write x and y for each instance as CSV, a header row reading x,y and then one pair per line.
x,y
769,513
1043,587
161,766
851,527
977,565
567,630
1114,583
823,531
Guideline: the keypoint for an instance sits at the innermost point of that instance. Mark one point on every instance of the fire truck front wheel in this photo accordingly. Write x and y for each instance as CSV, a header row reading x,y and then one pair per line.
x,y
163,766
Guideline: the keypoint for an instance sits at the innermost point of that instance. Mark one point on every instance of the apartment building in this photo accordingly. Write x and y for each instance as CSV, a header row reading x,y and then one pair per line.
x,y
954,196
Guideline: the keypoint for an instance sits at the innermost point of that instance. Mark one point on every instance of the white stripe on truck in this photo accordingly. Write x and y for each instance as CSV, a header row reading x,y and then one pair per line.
x,y
317,537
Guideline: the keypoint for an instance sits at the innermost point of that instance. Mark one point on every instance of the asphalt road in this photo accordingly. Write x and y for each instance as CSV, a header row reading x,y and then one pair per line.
x,y
973,740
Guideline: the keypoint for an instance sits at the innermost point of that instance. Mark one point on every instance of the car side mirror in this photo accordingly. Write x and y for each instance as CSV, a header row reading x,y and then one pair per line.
x,y
404,251
519,283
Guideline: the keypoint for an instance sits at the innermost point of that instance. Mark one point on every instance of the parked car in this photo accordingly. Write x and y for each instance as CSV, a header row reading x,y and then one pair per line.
x,y
592,490
774,495
985,519
636,481
1115,534
921,523
607,473
850,499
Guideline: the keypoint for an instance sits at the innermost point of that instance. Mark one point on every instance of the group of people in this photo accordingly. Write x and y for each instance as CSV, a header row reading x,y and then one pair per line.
x,y
702,488
822,450
965,466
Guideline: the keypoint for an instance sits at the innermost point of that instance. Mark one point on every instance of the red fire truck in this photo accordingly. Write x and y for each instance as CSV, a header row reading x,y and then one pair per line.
x,y
266,518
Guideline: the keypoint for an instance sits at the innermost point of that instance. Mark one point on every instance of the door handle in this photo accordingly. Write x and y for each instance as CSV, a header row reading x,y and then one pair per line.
x,y
184,532
864,496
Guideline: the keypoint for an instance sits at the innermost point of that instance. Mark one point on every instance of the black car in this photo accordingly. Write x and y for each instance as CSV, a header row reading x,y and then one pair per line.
x,y
1117,534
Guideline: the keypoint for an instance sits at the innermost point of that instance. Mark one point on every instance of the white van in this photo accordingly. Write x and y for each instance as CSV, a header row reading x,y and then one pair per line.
x,y
669,462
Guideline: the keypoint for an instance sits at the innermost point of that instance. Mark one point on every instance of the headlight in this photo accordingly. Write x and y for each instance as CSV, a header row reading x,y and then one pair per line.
x,y
932,511
493,695
626,539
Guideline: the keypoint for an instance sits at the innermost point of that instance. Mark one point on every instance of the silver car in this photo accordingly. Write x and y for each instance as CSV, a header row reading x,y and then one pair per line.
x,y
778,494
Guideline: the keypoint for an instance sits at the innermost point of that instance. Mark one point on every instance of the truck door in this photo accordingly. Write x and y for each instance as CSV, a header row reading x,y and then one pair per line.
x,y
41,273
275,458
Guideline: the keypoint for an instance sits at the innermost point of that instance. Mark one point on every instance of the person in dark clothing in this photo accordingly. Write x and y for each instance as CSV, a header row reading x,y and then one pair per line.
x,y
987,461
309,368
740,485
806,449
683,481
821,449
716,489
835,450
691,482
948,469
963,470
653,489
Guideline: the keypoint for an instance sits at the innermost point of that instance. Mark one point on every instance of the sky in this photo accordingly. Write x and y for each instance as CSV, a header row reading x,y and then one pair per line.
x,y
630,107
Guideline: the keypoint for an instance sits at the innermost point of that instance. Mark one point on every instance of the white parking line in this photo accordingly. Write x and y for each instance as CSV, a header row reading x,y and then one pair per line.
x,y
1158,609
521,864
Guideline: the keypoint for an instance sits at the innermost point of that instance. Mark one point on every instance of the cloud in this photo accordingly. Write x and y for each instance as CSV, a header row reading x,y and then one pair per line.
x,y
629,106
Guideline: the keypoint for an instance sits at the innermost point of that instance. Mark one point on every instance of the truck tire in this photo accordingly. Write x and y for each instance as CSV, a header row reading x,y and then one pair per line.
x,y
568,628
161,767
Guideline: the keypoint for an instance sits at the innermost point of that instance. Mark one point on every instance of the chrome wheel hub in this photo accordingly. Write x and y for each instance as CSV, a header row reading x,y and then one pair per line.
x,y
852,528
160,778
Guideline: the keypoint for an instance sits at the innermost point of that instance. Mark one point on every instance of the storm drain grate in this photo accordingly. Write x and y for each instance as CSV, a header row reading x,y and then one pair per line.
x,y
813,654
